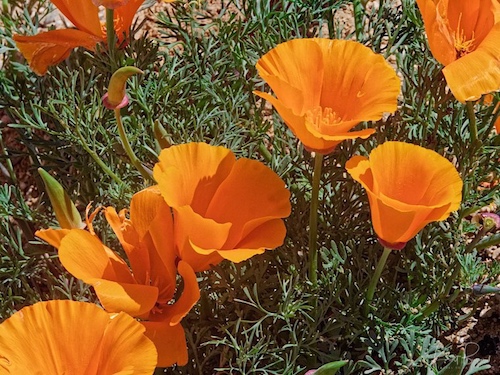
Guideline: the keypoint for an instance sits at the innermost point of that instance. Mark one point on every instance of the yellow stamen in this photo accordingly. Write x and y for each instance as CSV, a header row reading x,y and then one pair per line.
x,y
462,45
321,117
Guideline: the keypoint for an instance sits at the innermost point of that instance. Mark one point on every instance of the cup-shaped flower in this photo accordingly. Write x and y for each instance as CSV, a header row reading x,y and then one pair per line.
x,y
78,338
144,289
223,208
408,187
51,47
464,36
325,87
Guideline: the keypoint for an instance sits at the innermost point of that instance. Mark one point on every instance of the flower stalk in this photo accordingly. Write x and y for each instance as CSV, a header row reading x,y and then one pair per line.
x,y
374,280
128,149
97,159
110,30
313,220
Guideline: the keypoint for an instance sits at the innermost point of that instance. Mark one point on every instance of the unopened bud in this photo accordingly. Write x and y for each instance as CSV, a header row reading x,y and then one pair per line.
x,y
66,213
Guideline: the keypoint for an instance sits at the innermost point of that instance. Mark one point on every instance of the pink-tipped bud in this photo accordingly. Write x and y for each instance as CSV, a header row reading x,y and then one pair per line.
x,y
116,97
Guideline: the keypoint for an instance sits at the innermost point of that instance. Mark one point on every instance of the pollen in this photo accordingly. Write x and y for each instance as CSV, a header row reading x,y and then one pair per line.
x,y
462,45
322,117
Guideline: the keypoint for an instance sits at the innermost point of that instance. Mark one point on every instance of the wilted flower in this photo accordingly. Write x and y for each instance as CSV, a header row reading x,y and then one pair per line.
x,y
69,337
408,187
464,36
325,87
223,208
146,288
51,47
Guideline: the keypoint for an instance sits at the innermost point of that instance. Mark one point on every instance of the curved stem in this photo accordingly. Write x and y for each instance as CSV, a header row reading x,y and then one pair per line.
x,y
128,149
313,220
97,159
374,280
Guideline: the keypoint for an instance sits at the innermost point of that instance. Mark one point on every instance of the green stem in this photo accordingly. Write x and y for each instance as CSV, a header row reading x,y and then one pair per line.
x,y
374,280
128,149
472,122
110,29
313,220
111,36
97,159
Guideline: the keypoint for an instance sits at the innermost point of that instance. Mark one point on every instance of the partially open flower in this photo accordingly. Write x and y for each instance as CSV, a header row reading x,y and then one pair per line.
x,y
325,87
144,289
51,47
408,187
464,36
77,338
223,208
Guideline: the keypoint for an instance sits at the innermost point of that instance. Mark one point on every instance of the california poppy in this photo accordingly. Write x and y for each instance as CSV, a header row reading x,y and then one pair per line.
x,y
464,36
70,337
223,208
110,4
51,47
325,87
408,187
146,288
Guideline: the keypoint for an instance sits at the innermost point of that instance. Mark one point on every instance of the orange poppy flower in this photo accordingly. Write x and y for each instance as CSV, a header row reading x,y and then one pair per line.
x,y
408,187
325,87
50,48
464,36
146,288
223,208
110,4
70,337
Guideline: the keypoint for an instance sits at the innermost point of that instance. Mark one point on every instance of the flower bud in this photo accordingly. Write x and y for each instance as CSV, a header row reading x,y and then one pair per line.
x,y
66,213
116,96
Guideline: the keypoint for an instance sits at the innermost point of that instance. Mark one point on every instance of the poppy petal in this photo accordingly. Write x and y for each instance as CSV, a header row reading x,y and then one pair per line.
x,y
84,15
440,41
124,338
283,69
190,294
51,47
296,124
358,84
170,342
250,184
134,299
124,16
68,334
189,174
85,257
52,236
478,72
193,229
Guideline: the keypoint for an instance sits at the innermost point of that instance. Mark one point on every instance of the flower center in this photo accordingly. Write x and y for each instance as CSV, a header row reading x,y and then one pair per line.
x,y
321,117
462,45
